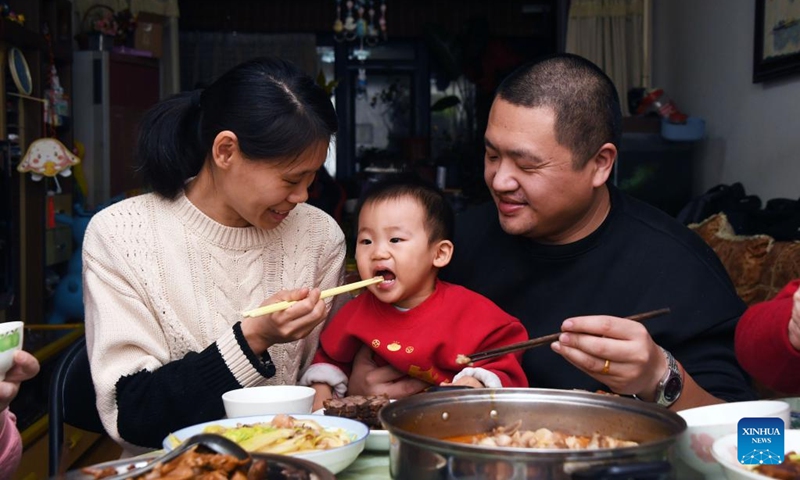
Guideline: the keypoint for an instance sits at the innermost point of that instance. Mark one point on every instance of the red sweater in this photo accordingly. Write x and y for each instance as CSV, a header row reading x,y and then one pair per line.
x,y
425,340
762,342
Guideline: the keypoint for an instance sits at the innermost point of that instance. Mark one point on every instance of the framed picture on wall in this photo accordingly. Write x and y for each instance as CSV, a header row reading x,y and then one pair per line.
x,y
777,39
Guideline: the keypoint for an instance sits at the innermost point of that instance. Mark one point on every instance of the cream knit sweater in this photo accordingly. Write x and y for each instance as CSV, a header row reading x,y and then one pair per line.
x,y
161,279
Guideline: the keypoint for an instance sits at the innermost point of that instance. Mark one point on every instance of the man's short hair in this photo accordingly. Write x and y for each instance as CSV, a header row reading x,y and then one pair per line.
x,y
584,99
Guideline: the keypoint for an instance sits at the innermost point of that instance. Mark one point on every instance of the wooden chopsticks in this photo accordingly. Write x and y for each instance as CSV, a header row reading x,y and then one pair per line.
x,y
538,341
277,307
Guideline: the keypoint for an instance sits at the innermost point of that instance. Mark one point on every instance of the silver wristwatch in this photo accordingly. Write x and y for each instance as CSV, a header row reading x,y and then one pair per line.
x,y
669,388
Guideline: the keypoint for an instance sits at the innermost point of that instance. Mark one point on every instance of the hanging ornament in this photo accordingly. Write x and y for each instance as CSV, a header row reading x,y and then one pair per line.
x,y
361,83
361,24
382,20
358,21
349,22
48,157
338,26
372,31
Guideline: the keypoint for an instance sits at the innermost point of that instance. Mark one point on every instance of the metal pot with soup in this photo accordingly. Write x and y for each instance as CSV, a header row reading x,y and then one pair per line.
x,y
528,434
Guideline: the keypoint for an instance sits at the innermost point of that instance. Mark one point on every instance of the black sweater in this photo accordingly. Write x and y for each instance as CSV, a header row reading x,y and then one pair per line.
x,y
639,259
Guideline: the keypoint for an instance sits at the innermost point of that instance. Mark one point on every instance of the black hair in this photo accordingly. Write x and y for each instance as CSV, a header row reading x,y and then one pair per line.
x,y
274,108
439,217
584,99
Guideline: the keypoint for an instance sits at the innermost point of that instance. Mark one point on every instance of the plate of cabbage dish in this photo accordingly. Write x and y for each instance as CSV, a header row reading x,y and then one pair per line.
x,y
332,442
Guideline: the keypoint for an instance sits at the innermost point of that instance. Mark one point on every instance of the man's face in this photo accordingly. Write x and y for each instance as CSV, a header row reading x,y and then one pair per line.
x,y
537,191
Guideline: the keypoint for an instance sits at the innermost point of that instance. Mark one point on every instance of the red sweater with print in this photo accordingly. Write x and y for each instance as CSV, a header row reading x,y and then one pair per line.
x,y
425,340
762,342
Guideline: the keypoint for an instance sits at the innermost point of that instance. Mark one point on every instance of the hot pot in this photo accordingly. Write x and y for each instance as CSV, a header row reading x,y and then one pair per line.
x,y
418,424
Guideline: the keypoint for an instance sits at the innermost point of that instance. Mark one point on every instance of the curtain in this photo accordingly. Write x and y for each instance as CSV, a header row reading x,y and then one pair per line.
x,y
610,33
207,55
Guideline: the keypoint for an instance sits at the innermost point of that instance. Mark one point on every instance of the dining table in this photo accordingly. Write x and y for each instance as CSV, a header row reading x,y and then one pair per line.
x,y
370,465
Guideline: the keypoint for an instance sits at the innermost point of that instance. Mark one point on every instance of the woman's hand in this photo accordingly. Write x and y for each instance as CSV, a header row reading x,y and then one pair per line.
x,y
615,351
288,325
794,321
25,367
367,378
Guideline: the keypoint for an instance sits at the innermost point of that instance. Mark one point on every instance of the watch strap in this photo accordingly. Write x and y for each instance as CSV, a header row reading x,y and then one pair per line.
x,y
672,379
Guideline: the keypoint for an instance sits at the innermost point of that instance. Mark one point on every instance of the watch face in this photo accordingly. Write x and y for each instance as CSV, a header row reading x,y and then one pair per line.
x,y
672,389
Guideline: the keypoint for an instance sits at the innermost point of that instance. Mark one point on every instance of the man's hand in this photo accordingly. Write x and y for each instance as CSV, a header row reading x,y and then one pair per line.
x,y
794,322
367,378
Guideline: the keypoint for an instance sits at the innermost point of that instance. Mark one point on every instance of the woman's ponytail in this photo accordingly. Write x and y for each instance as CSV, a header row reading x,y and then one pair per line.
x,y
169,148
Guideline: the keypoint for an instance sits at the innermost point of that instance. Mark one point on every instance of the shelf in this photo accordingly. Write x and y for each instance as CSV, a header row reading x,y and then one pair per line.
x,y
20,36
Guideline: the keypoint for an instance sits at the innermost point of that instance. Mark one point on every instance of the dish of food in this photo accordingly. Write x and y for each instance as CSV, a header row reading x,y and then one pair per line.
x,y
264,467
513,437
363,409
726,452
337,441
789,469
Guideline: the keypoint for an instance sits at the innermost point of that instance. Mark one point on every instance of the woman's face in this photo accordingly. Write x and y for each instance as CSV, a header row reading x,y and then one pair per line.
x,y
261,193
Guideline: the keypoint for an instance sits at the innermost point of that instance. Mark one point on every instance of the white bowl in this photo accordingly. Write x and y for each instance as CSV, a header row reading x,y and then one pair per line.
x,y
794,408
725,451
377,440
335,459
268,400
705,425
10,341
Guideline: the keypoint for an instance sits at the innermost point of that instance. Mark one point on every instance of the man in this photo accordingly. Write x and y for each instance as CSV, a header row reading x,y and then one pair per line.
x,y
562,250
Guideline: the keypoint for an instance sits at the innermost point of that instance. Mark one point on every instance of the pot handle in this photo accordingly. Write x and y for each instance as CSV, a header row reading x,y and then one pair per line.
x,y
659,470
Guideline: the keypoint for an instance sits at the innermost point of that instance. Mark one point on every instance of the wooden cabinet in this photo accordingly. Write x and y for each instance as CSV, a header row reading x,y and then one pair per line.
x,y
111,94
22,200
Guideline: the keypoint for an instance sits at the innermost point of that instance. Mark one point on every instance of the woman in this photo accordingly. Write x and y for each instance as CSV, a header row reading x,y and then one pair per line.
x,y
167,274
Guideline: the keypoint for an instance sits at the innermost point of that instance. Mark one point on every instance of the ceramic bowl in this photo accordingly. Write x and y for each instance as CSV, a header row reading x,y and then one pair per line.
x,y
268,400
378,439
10,341
725,451
705,425
334,459
794,408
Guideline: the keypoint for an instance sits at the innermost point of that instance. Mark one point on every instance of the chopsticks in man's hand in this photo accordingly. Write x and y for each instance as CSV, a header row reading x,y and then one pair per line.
x,y
277,307
538,341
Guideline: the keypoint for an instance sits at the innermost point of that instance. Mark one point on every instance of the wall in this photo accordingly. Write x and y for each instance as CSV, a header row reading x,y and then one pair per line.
x,y
405,18
703,58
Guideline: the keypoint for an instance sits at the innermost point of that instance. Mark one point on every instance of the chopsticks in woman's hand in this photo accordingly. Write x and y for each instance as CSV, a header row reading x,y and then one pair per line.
x,y
538,341
277,307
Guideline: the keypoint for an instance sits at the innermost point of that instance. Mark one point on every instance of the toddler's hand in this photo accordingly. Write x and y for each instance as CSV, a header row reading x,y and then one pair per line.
x,y
466,381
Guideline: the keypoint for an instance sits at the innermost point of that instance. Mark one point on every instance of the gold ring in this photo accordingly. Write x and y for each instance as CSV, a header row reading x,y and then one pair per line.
x,y
606,366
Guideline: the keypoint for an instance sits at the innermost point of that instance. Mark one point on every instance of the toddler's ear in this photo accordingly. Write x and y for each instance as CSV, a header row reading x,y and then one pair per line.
x,y
444,252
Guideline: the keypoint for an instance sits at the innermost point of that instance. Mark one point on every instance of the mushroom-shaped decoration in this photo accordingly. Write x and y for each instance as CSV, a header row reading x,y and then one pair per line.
x,y
47,157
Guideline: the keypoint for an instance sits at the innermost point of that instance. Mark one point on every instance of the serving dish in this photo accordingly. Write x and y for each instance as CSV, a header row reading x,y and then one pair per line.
x,y
725,451
334,459
706,424
377,440
278,466
420,424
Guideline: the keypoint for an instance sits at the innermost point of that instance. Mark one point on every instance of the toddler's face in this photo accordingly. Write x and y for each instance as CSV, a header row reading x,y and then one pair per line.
x,y
392,241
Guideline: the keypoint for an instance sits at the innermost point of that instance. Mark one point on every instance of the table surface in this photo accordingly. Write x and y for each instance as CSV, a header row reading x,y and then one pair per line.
x,y
368,466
